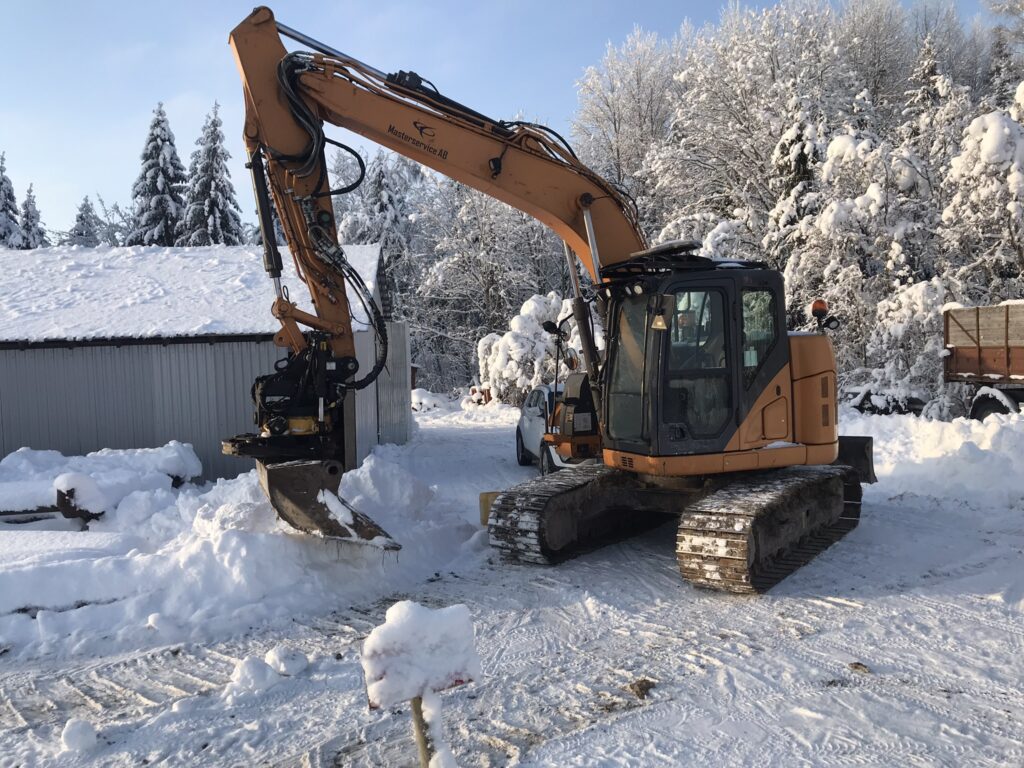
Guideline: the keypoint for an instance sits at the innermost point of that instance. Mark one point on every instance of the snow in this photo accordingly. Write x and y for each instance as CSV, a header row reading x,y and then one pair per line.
x,y
999,395
72,292
29,479
286,660
899,645
251,676
424,400
78,735
418,649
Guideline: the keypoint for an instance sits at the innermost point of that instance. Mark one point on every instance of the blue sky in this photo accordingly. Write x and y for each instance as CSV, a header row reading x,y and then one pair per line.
x,y
81,78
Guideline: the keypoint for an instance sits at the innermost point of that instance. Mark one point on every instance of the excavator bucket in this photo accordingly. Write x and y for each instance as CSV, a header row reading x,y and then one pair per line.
x,y
857,451
305,495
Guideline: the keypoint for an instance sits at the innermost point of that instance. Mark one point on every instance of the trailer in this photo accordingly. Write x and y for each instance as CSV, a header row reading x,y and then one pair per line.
x,y
985,349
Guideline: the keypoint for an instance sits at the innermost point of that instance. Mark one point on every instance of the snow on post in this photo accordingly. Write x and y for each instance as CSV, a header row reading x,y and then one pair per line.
x,y
415,653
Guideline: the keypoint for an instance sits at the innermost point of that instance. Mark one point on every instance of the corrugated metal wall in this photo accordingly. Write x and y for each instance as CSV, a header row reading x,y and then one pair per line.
x,y
80,399
393,410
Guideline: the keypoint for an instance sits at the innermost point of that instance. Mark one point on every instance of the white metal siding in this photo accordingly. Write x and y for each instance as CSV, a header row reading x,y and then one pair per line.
x,y
80,399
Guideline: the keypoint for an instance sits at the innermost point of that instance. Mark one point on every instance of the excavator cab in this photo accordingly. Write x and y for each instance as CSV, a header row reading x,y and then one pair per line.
x,y
694,349
703,377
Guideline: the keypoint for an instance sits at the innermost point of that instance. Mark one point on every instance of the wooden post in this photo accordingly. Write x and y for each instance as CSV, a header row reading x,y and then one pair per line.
x,y
419,727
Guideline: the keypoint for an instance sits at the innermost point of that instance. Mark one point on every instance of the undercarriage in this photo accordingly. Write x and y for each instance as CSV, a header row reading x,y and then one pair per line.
x,y
742,532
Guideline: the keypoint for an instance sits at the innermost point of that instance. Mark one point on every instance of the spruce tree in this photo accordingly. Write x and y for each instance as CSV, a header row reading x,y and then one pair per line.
x,y
156,194
212,212
1004,71
11,235
32,228
86,229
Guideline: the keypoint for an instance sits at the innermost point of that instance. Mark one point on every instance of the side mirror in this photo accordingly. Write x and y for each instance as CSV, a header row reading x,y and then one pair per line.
x,y
832,323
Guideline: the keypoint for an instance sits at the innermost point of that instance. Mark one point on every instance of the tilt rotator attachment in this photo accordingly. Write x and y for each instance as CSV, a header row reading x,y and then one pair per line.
x,y
300,447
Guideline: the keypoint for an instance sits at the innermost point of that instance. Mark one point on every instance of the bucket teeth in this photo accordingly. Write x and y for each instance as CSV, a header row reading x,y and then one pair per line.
x,y
305,495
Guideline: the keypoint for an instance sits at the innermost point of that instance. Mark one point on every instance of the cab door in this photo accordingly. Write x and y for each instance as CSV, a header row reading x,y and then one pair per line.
x,y
765,385
697,377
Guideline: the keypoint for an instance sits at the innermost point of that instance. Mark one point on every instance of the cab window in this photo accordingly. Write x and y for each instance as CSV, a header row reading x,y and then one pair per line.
x,y
760,330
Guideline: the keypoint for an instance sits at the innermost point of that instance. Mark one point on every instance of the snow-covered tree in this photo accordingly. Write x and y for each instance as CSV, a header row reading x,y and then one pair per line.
x,y
1004,71
32,228
114,222
11,234
156,195
625,106
86,228
794,166
983,224
877,47
383,210
907,343
211,211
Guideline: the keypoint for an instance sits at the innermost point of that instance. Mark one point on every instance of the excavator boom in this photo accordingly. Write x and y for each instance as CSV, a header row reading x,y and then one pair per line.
x,y
288,97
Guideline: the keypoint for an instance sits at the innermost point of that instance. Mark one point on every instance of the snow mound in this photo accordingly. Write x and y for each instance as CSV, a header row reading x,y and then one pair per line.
x,y
29,479
417,650
976,463
286,660
423,400
251,676
191,564
379,487
78,735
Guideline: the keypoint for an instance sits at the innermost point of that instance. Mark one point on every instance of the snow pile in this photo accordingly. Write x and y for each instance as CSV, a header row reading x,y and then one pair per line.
x,y
423,400
78,735
251,676
193,563
979,464
71,292
286,660
29,479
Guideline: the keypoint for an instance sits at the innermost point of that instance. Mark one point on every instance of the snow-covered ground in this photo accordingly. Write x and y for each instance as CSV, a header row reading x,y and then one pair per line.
x,y
189,627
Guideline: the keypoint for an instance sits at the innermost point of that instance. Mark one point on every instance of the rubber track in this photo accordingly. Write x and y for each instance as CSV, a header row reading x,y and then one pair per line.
x,y
712,542
517,518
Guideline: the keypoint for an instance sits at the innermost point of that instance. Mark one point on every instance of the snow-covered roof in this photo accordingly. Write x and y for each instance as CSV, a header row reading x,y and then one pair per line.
x,y
72,292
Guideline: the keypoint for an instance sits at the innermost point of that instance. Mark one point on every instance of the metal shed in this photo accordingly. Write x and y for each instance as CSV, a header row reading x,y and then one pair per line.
x,y
77,395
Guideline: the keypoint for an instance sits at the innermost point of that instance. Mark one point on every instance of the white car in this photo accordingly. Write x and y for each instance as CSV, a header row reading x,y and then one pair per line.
x,y
533,423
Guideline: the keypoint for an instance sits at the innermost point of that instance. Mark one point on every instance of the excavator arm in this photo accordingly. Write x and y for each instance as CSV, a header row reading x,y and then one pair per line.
x,y
288,98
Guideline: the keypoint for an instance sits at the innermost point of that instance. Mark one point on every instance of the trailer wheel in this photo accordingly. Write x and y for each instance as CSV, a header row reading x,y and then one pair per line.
x,y
986,406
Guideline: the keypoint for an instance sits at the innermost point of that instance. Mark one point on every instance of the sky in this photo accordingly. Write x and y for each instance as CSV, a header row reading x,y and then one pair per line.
x,y
81,79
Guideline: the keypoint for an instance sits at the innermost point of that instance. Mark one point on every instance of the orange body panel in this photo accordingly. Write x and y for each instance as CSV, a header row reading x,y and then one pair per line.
x,y
815,408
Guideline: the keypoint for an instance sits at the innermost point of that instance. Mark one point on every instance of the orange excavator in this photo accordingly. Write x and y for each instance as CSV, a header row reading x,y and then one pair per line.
x,y
702,407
